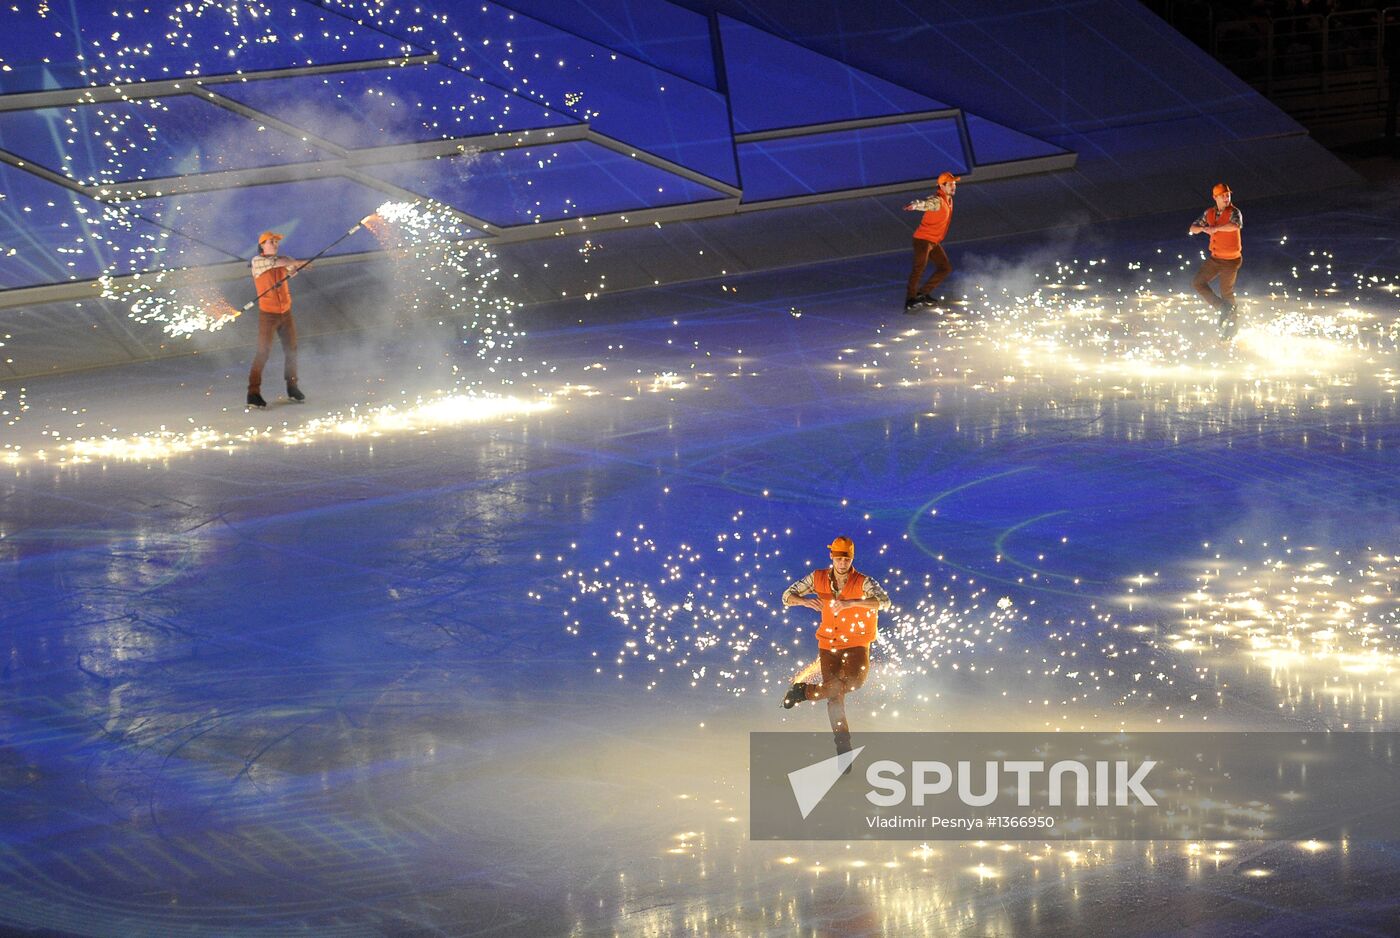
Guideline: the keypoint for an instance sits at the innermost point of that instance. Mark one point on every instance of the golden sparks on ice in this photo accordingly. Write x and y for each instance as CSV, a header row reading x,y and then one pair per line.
x,y
421,416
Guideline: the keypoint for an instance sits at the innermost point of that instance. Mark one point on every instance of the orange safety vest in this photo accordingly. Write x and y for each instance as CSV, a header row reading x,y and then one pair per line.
x,y
279,298
849,628
1224,245
934,227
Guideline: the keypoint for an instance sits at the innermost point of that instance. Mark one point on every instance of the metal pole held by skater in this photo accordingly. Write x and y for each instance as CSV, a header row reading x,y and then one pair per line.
x,y
307,263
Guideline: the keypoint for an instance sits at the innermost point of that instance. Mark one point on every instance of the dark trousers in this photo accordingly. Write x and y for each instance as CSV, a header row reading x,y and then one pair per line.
x,y
1227,271
926,252
843,671
285,328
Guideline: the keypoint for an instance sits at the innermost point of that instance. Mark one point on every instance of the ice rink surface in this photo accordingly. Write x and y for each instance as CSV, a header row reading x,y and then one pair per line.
x,y
489,666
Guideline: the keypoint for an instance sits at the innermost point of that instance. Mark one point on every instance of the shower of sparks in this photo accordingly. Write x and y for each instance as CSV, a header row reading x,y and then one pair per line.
x,y
377,225
181,307
421,416
1076,341
1313,604
439,272
1324,624
448,277
712,617
143,275
1074,320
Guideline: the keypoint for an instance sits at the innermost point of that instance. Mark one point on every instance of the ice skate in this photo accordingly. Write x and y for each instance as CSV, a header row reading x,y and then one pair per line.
x,y
1228,323
795,695
933,304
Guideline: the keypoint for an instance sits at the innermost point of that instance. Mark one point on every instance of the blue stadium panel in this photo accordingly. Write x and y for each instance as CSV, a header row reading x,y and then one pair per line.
x,y
1245,124
312,213
774,83
49,234
993,143
1048,69
50,51
545,183
176,136
384,106
627,100
651,31
850,159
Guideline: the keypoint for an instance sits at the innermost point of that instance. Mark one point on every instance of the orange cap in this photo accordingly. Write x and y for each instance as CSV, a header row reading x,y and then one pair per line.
x,y
1220,189
946,177
269,236
843,547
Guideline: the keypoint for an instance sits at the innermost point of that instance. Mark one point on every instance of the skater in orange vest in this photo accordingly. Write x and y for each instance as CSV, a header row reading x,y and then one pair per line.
x,y
1223,223
271,271
928,243
849,603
